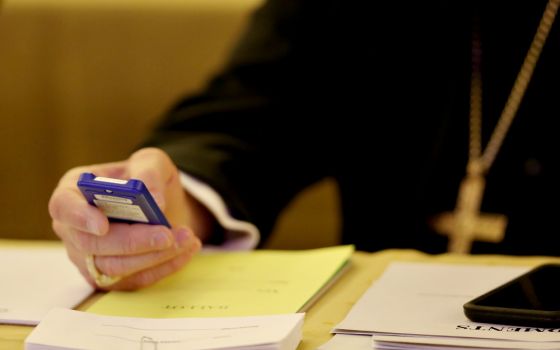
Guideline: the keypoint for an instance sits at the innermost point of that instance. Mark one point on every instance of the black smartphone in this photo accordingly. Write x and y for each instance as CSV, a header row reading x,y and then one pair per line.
x,y
532,299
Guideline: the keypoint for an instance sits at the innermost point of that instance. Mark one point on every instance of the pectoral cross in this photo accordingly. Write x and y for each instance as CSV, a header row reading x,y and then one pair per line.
x,y
466,223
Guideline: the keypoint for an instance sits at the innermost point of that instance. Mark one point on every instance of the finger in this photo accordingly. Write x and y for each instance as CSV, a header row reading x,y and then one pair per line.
x,y
153,271
190,245
79,260
131,264
123,239
69,206
150,276
154,167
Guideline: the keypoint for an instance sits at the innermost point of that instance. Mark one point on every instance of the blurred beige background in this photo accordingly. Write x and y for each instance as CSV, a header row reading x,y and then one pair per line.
x,y
82,81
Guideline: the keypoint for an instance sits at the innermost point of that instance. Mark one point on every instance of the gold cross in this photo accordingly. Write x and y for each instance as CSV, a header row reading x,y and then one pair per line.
x,y
466,223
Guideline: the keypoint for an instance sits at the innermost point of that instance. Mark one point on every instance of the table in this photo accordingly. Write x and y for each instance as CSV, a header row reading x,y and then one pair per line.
x,y
333,306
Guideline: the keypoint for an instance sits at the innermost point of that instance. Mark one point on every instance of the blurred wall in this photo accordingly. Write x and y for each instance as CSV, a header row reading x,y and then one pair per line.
x,y
83,81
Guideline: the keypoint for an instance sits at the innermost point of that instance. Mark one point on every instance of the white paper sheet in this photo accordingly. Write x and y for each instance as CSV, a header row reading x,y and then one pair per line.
x,y
426,299
347,342
68,329
440,343
34,280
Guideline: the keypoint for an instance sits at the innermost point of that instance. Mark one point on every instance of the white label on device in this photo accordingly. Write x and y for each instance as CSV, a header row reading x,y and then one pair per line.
x,y
121,211
104,197
110,180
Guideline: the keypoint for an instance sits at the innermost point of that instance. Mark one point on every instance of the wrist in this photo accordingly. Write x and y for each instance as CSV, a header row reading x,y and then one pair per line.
x,y
201,221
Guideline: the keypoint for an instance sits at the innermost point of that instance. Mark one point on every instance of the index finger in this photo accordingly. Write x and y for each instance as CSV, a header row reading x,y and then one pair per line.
x,y
69,206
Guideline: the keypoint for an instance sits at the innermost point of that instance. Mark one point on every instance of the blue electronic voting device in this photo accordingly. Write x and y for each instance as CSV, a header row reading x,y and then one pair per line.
x,y
122,200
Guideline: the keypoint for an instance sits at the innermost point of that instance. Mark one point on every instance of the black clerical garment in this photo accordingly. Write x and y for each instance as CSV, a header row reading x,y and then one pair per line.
x,y
375,94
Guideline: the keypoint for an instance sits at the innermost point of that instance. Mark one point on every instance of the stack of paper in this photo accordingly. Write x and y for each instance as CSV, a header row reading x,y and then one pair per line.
x,y
212,303
420,306
36,279
67,329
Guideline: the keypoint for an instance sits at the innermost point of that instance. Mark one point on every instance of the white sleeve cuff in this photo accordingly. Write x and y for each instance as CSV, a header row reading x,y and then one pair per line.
x,y
239,235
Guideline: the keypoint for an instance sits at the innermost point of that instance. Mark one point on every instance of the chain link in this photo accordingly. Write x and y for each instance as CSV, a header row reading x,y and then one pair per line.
x,y
480,163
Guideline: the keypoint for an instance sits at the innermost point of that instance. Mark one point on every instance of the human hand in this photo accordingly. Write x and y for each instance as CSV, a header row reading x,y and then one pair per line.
x,y
141,254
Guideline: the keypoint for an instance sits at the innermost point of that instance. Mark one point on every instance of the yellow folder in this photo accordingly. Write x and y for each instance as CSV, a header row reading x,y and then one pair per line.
x,y
258,282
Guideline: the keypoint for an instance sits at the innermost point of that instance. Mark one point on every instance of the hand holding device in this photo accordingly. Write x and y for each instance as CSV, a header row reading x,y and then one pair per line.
x,y
139,254
531,299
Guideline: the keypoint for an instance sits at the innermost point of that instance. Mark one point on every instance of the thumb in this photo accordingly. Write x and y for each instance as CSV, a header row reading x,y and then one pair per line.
x,y
154,167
